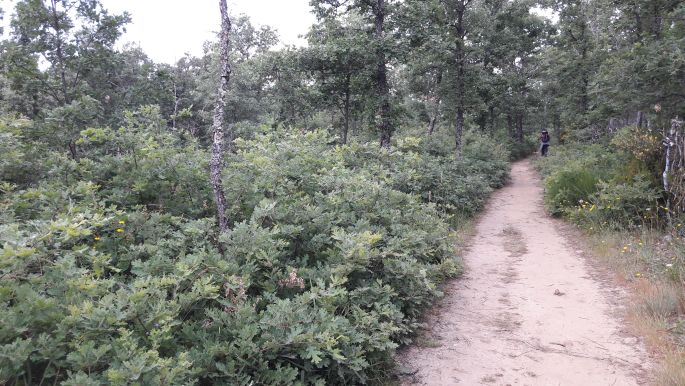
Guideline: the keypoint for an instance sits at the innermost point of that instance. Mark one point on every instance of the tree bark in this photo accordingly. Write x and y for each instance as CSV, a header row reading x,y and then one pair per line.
x,y
216,162
346,113
434,119
59,53
382,88
519,127
491,118
438,102
510,125
460,59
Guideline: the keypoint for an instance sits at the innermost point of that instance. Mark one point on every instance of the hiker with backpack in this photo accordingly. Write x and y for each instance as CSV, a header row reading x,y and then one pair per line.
x,y
544,142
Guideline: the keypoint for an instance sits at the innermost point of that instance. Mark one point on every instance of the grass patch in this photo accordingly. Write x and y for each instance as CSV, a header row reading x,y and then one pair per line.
x,y
672,371
426,341
651,264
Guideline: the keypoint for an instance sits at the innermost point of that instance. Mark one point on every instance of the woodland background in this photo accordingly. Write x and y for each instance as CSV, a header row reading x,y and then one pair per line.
x,y
348,168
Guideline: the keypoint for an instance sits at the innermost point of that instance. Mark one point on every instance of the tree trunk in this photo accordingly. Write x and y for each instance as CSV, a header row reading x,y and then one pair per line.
x,y
519,127
458,131
173,117
72,151
216,162
438,102
461,82
382,88
557,127
491,118
638,25
510,125
585,77
434,119
59,53
346,112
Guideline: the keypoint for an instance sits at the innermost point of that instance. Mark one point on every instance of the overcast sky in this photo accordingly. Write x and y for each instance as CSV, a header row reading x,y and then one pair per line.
x,y
166,29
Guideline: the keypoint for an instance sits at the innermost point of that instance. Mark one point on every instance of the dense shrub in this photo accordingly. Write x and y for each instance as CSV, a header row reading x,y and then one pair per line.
x,y
568,188
110,271
619,205
604,185
519,150
424,167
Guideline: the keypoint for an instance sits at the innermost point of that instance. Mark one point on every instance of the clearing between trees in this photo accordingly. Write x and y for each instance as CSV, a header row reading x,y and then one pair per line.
x,y
529,310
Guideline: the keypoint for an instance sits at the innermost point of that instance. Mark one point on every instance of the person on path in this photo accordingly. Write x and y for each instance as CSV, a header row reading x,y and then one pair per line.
x,y
544,142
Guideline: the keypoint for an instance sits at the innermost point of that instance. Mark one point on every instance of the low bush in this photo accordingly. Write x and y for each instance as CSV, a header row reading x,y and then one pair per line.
x,y
619,206
567,188
422,167
520,150
614,186
112,272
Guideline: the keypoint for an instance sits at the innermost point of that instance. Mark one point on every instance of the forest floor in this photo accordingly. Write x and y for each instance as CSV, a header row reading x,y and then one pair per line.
x,y
532,308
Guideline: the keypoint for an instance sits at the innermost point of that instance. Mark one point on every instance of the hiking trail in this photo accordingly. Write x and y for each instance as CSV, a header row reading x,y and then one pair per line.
x,y
529,310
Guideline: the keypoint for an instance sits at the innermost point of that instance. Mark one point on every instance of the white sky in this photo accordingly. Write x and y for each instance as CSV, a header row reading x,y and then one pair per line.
x,y
166,29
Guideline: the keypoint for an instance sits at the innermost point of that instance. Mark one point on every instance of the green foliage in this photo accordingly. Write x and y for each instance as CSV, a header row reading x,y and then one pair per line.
x,y
569,187
520,150
618,206
19,163
424,167
604,187
110,271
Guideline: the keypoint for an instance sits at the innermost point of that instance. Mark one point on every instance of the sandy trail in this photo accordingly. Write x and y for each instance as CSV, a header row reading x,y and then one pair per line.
x,y
529,310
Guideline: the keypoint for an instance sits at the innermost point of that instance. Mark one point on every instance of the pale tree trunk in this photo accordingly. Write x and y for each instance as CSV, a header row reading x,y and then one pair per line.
x,y
640,120
346,108
670,140
216,162
437,103
382,88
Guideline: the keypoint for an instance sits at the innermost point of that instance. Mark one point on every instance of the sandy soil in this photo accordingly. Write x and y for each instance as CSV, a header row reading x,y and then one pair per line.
x,y
529,311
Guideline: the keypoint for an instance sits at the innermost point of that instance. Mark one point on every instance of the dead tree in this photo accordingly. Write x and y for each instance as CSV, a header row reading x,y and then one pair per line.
x,y
216,162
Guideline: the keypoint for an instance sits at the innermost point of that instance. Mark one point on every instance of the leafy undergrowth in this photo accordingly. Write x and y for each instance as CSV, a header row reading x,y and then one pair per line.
x,y
110,270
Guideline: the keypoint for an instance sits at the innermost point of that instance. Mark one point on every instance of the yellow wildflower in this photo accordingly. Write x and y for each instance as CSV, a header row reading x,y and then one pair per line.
x,y
97,238
122,222
119,230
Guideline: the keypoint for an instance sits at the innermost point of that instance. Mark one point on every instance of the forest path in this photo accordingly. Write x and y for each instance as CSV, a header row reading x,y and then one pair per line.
x,y
529,310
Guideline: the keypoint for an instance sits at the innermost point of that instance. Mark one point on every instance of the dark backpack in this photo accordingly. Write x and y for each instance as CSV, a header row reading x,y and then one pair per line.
x,y
545,137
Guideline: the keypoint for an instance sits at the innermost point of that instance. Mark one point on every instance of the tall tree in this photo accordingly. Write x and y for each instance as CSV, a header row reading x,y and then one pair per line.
x,y
53,59
455,10
377,12
342,66
71,36
385,126
216,162
427,54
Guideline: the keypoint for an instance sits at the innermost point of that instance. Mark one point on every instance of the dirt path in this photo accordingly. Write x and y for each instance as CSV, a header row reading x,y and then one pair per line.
x,y
529,310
